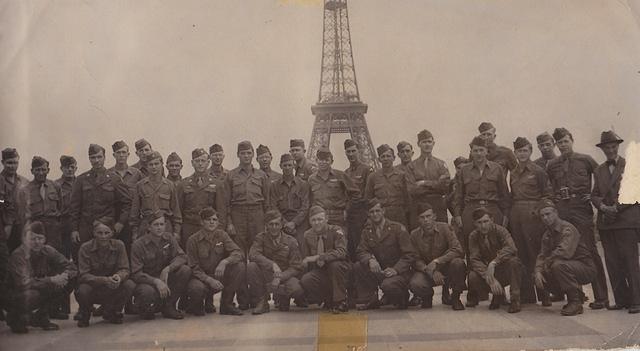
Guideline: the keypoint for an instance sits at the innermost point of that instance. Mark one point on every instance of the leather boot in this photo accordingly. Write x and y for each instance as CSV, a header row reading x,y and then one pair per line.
x,y
456,304
574,307
227,307
472,299
262,306
427,301
496,301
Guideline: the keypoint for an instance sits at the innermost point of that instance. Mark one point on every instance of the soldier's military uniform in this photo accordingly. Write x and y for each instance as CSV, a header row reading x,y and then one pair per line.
x,y
205,251
503,156
358,172
128,178
333,194
217,172
391,189
543,161
195,193
95,265
148,198
66,186
291,199
43,202
436,175
305,168
9,187
150,254
390,245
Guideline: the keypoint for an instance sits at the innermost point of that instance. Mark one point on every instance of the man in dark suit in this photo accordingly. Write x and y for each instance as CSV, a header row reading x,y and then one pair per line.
x,y
618,225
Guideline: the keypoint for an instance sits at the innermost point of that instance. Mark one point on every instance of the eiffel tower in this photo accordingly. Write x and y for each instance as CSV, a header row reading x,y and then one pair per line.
x,y
339,109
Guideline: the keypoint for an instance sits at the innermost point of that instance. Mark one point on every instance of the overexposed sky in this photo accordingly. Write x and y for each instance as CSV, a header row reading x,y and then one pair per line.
x,y
190,73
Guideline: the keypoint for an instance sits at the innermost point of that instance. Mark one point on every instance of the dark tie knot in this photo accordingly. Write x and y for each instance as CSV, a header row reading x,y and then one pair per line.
x,y
611,162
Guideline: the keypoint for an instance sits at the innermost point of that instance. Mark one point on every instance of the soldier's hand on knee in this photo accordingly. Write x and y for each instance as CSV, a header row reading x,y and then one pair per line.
x,y
431,267
438,278
163,289
491,269
390,272
374,266
219,273
75,236
458,221
214,284
290,226
118,227
164,275
275,283
539,280
496,288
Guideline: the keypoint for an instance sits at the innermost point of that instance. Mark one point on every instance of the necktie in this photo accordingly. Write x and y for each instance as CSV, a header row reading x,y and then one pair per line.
x,y
43,195
611,162
320,245
199,181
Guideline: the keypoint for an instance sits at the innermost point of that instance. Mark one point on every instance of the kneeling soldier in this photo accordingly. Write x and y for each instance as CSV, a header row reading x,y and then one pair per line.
x,y
385,256
275,266
217,265
494,263
158,267
103,276
565,261
325,259
440,259
38,276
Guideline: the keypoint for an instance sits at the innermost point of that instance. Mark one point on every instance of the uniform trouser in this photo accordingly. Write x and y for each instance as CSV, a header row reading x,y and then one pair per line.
x,y
397,214
248,221
65,230
395,288
4,261
468,224
356,218
198,292
147,298
111,299
580,214
454,272
53,232
300,229
186,231
568,276
508,273
15,237
326,283
126,237
621,256
437,202
22,303
260,279
526,230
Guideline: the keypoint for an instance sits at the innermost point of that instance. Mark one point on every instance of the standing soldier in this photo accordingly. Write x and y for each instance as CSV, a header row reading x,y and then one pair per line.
x,y
493,263
275,266
571,179
405,153
217,265
499,154
216,153
547,147
174,166
143,149
96,194
324,252
618,225
103,276
68,166
10,184
159,268
480,183
38,276
389,185
290,196
264,158
196,192
304,166
129,176
529,185
428,179
357,209
155,193
385,257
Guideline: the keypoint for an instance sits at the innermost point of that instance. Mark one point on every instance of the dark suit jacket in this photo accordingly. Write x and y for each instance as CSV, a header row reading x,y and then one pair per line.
x,y
606,190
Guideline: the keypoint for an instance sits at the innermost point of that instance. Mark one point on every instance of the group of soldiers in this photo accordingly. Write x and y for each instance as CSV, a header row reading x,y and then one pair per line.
x,y
131,239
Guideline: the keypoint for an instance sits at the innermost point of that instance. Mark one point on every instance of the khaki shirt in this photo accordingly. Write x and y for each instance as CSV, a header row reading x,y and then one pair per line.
x,y
562,242
247,188
441,244
150,255
335,244
193,197
529,182
391,189
95,262
334,192
292,200
572,170
305,168
359,173
66,186
392,248
435,174
205,250
488,185
285,253
497,245
34,207
149,198
219,174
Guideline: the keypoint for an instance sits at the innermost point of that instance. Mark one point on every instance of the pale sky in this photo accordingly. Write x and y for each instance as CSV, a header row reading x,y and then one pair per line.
x,y
190,73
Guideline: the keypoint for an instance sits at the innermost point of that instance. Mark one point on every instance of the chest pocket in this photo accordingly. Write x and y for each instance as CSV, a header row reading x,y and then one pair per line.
x,y
254,186
380,191
211,190
203,251
164,200
218,248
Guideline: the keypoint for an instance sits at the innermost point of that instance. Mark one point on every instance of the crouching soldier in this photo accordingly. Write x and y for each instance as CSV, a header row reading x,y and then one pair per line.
x,y
325,260
275,266
385,256
158,267
103,276
493,262
38,276
564,262
440,259
217,265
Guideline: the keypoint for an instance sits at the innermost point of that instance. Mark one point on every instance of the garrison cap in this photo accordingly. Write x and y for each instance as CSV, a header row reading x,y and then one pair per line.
x,y
314,210
95,148
152,156
349,143
479,213
156,215
38,161
520,143
541,138
479,141
285,157
271,215
118,145
372,203
424,134
207,212
37,227
262,149
484,126
384,148
324,153
173,157
544,203
403,144
108,221
424,207
560,133
296,143
460,160
141,143
66,160
197,153
215,148
244,145
9,153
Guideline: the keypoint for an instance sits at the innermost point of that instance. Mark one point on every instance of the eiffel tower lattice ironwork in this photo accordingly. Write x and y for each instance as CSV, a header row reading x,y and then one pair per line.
x,y
339,109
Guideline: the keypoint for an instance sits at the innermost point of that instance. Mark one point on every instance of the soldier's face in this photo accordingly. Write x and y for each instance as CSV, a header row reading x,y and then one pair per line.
x,y
478,153
297,152
36,241
157,227
11,165
376,214
154,166
174,168
610,150
121,155
546,147
69,171
318,222
146,150
40,173
245,156
387,158
97,160
549,216
264,160
200,163
406,154
352,153
287,167
523,154
426,145
565,144
217,158
324,164
489,135
484,224
102,233
211,223
427,219
274,227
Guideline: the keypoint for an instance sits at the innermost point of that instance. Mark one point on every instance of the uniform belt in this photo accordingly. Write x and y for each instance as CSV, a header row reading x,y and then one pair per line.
x,y
482,202
246,206
333,211
526,201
